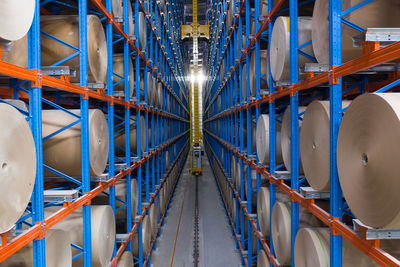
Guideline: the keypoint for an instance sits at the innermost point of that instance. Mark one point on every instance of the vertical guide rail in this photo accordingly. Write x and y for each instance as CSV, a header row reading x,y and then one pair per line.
x,y
83,64
272,163
335,58
138,134
35,107
110,109
294,122
127,125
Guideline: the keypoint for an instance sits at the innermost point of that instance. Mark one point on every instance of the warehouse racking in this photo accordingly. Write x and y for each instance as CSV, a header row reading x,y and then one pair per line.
x,y
224,139
161,56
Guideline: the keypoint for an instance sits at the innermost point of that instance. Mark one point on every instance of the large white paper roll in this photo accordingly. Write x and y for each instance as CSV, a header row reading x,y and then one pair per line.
x,y
279,52
312,249
118,69
66,29
286,137
16,18
314,144
126,260
17,165
368,149
102,232
262,259
63,151
376,14
58,252
146,238
262,137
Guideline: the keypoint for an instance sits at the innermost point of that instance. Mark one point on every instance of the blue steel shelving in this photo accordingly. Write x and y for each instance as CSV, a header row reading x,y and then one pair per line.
x,y
223,137
168,123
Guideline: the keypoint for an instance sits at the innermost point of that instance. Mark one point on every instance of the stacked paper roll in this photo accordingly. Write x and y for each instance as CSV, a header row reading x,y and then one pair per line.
x,y
120,137
314,144
17,165
126,260
262,137
253,177
58,252
16,19
230,15
252,77
264,80
118,69
63,151
16,52
153,214
262,259
102,232
142,34
159,95
263,210
66,29
279,52
120,194
375,14
146,238
367,159
312,249
286,137
281,228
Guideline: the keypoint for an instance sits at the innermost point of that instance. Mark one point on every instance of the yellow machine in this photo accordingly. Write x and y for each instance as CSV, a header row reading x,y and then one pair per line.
x,y
195,31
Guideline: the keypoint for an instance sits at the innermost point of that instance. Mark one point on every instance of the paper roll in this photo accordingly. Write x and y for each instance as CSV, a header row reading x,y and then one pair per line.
x,y
120,194
126,260
66,29
262,259
314,144
263,71
16,18
142,35
118,66
279,52
262,137
17,166
58,252
285,137
16,52
281,228
253,177
376,14
146,238
263,210
153,215
102,232
312,249
63,151
120,137
367,159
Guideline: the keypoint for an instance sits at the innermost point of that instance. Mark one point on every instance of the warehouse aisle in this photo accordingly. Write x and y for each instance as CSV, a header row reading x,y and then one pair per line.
x,y
216,244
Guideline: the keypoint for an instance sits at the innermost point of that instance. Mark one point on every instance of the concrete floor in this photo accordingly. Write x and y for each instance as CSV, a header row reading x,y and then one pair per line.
x,y
217,246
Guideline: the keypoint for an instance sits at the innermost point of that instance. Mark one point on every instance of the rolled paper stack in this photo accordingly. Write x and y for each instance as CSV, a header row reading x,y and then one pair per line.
x,y
17,165
66,29
63,150
367,153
